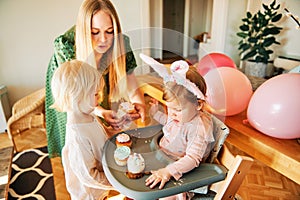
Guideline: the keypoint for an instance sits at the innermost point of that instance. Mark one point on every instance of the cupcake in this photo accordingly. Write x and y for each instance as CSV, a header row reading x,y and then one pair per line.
x,y
135,166
125,108
121,155
123,139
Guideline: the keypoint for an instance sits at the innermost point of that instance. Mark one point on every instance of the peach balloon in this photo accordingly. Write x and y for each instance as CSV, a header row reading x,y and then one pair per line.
x,y
228,91
274,108
214,60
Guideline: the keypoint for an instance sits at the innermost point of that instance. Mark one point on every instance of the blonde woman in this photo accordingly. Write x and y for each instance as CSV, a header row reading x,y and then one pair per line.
x,y
99,42
85,137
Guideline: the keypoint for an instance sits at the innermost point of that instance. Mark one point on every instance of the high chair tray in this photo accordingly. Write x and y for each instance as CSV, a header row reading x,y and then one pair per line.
x,y
145,141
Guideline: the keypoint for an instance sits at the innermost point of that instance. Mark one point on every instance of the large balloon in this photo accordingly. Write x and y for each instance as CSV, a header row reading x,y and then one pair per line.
x,y
228,91
214,60
274,108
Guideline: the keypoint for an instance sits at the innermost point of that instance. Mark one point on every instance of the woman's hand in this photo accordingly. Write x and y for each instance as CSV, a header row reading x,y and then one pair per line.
x,y
154,106
161,176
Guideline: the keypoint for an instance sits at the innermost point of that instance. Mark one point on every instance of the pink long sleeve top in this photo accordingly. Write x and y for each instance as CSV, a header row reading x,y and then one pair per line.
x,y
187,143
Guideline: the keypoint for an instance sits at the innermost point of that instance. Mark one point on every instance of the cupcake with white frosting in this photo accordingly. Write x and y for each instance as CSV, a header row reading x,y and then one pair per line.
x,y
123,139
135,166
125,108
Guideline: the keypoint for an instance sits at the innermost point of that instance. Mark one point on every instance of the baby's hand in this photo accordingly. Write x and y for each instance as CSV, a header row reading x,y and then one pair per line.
x,y
161,176
154,106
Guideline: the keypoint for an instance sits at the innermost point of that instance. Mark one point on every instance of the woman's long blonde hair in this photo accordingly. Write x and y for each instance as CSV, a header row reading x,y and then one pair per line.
x,y
115,56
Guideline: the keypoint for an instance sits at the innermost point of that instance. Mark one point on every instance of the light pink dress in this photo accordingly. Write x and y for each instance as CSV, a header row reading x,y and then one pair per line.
x,y
81,158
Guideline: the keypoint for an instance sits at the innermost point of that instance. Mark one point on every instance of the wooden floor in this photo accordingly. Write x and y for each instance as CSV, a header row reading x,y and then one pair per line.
x,y
261,182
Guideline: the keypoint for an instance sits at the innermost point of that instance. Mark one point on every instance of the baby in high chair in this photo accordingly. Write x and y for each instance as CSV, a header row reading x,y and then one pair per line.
x,y
187,126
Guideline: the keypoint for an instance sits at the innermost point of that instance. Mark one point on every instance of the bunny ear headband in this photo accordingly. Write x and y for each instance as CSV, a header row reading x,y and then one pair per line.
x,y
178,69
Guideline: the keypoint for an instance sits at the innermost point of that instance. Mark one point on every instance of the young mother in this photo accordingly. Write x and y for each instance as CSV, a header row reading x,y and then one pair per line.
x,y
98,40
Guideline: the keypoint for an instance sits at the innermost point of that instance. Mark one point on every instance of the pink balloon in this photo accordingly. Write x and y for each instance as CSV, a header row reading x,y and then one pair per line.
x,y
228,91
214,60
274,108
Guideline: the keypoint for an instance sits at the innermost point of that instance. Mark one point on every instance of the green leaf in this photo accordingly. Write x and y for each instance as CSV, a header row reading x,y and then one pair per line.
x,y
252,40
264,22
262,51
244,27
276,42
268,41
273,4
261,59
265,55
249,15
256,27
271,31
242,34
277,7
256,47
277,18
246,46
241,46
265,7
249,55
258,59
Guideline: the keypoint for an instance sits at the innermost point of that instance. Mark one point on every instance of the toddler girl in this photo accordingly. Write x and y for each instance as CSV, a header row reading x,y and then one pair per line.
x,y
74,87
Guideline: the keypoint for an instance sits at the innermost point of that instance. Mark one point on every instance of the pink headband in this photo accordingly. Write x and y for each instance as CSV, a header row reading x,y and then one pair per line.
x,y
178,69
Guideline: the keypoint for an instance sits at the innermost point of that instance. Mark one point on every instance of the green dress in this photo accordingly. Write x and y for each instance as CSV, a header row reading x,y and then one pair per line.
x,y
64,50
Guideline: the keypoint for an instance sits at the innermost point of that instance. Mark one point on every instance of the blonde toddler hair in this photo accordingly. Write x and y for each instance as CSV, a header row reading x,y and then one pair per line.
x,y
72,85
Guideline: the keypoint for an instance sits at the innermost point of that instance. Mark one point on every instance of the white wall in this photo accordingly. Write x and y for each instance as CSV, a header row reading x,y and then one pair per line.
x,y
233,23
290,42
28,29
134,16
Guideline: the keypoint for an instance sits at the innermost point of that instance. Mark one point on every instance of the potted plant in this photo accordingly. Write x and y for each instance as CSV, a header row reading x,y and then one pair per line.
x,y
258,35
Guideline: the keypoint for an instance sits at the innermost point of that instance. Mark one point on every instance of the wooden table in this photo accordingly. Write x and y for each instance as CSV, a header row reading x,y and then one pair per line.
x,y
278,154
282,155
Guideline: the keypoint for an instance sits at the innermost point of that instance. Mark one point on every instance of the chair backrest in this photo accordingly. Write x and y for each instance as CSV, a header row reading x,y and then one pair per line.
x,y
237,166
27,113
221,131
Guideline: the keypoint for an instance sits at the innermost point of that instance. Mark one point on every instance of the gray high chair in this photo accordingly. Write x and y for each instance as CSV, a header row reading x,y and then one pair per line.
x,y
237,165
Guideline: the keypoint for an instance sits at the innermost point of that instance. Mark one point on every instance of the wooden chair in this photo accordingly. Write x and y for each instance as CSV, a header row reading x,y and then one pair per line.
x,y
237,166
27,123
